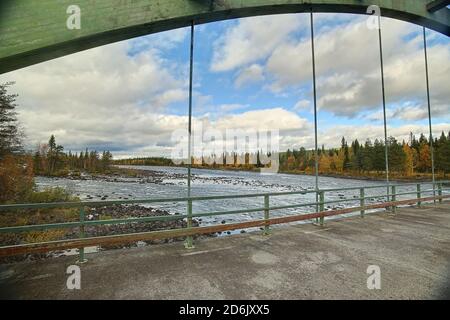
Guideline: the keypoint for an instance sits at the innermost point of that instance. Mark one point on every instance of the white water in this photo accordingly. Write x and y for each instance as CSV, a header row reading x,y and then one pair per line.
x,y
216,182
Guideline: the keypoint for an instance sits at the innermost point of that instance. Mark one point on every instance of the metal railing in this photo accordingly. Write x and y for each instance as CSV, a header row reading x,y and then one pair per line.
x,y
391,203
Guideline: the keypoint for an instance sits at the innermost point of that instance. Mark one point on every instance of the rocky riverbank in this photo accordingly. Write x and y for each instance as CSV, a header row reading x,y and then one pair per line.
x,y
126,175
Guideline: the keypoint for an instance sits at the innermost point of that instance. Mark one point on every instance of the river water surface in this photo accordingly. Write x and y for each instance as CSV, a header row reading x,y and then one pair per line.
x,y
216,182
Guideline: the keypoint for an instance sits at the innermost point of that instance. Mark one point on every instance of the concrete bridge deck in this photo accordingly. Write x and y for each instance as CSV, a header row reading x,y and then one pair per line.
x,y
411,248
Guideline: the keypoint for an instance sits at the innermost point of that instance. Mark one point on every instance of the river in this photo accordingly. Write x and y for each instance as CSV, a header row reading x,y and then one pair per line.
x,y
217,182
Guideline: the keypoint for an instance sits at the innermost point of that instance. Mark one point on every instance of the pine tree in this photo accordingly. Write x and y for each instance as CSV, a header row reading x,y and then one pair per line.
x,y
367,160
442,152
106,160
346,162
357,159
397,156
10,134
378,156
16,168
53,155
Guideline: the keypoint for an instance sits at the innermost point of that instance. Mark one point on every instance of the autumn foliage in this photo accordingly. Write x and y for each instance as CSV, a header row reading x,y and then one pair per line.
x,y
16,178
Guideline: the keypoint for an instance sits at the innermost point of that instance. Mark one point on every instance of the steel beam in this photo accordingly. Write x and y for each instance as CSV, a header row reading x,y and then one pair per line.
x,y
36,31
436,5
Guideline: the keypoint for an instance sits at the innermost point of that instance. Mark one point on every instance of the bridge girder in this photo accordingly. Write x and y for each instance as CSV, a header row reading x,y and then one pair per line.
x,y
35,31
436,5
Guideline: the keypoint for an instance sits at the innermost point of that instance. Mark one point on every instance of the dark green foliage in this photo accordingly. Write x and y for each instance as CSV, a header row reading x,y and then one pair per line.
x,y
150,161
10,134
51,160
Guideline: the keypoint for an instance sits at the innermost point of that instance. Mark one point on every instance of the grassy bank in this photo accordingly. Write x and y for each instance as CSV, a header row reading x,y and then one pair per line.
x,y
39,216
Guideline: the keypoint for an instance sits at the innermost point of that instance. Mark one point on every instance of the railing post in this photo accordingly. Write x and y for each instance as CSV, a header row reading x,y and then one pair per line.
x,y
317,206
266,215
188,244
362,201
440,192
434,192
322,206
418,195
81,258
394,198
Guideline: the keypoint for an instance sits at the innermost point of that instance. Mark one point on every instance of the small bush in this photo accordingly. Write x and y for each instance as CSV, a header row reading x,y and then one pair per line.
x,y
16,179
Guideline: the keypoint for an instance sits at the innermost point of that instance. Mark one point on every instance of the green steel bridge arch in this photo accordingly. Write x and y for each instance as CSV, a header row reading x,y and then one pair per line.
x,y
35,31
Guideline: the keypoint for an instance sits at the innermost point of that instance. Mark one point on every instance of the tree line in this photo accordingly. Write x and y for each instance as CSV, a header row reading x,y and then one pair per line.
x,y
404,159
50,159
352,158
145,161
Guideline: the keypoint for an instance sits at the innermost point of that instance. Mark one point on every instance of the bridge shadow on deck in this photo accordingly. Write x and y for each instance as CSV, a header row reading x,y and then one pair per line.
x,y
412,249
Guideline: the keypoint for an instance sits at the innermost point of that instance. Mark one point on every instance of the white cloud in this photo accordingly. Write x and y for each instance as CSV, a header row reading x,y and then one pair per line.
x,y
232,107
251,74
276,118
410,112
287,123
100,97
302,105
252,39
379,116
348,67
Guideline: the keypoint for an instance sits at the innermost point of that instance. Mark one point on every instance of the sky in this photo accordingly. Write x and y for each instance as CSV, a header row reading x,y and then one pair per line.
x,y
251,73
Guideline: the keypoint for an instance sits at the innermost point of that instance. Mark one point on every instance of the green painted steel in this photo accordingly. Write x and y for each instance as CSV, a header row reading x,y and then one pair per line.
x,y
418,195
266,214
81,258
35,31
189,240
26,206
81,224
435,5
67,225
322,206
362,201
394,198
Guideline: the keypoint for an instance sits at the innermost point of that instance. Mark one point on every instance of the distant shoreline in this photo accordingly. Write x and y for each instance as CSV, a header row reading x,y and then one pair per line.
x,y
330,175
